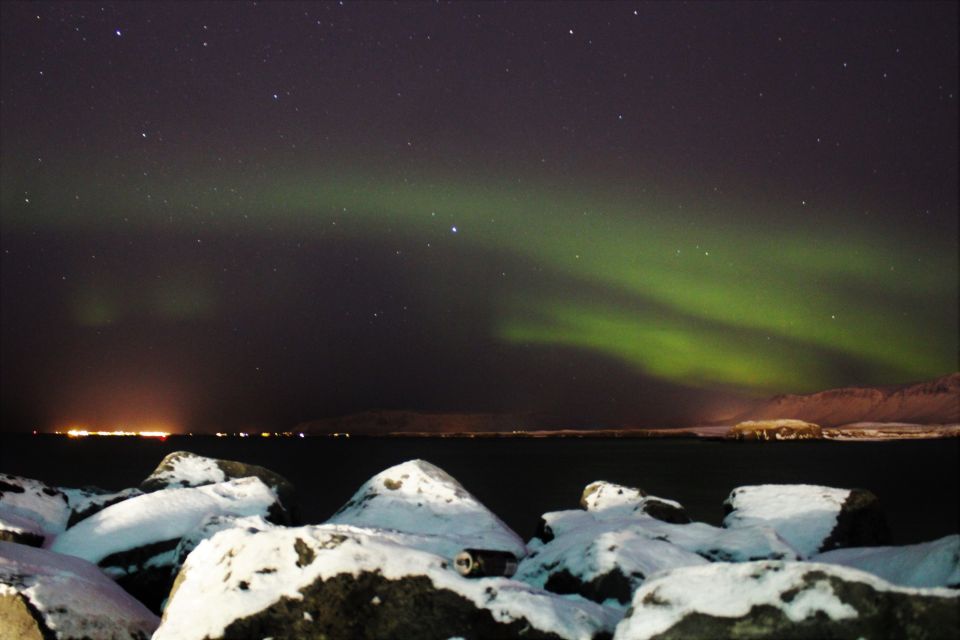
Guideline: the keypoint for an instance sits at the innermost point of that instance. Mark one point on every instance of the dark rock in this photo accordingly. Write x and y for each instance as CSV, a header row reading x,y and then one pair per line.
x,y
371,607
860,523
139,573
543,531
612,584
665,511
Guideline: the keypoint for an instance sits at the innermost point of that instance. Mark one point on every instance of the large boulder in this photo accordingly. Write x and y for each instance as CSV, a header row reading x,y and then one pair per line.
x,y
605,559
340,582
31,512
712,543
928,564
47,595
784,600
184,469
135,541
811,518
610,500
419,498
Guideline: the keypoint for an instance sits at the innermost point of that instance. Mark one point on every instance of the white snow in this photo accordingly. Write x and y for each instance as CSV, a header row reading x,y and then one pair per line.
x,y
188,470
163,515
928,564
803,514
731,590
589,552
418,497
38,502
209,597
737,545
75,598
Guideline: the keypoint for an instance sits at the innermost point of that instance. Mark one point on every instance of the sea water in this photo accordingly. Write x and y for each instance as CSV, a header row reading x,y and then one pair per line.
x,y
518,479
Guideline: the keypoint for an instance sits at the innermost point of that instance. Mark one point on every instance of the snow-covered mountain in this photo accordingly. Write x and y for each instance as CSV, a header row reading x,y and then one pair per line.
x,y
933,402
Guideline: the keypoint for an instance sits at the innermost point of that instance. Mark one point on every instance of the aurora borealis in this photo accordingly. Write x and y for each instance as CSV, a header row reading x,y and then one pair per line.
x,y
603,212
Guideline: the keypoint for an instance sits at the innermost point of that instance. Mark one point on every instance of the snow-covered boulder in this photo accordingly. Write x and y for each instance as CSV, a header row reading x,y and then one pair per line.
x,y
928,564
772,599
186,469
611,500
601,562
603,558
418,497
135,541
712,543
87,501
811,518
342,582
31,512
48,595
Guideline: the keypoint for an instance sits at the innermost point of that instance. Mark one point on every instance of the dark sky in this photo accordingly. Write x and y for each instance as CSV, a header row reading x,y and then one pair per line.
x,y
233,214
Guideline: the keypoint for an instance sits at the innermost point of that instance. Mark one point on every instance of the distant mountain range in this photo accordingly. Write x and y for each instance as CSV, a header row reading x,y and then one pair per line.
x,y
936,402
933,402
373,423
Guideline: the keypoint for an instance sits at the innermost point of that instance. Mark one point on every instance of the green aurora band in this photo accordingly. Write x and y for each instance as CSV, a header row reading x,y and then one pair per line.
x,y
701,296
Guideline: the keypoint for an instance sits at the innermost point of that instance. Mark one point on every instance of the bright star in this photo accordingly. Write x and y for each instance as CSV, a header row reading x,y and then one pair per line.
x,y
453,229
118,33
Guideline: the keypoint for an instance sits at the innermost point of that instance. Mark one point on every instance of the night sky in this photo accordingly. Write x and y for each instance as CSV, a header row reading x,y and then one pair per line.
x,y
223,215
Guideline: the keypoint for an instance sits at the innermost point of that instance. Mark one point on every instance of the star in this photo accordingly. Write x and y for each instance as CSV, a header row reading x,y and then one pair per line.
x,y
453,229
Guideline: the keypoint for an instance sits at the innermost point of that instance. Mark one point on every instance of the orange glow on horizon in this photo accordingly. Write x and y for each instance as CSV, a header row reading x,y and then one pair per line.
x,y
84,433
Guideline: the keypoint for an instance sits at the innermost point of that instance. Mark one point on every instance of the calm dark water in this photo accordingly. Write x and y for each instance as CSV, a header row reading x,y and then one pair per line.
x,y
917,482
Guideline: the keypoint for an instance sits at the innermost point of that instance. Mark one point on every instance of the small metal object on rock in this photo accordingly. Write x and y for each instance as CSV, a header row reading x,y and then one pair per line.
x,y
476,563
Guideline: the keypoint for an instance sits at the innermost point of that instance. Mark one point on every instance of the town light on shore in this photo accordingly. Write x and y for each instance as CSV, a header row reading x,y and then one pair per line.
x,y
84,433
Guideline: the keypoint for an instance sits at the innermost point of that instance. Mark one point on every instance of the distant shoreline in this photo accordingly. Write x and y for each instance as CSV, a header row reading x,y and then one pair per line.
x,y
858,432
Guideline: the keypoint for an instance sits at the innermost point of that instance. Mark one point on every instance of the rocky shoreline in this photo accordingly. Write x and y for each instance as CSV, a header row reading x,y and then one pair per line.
x,y
208,548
